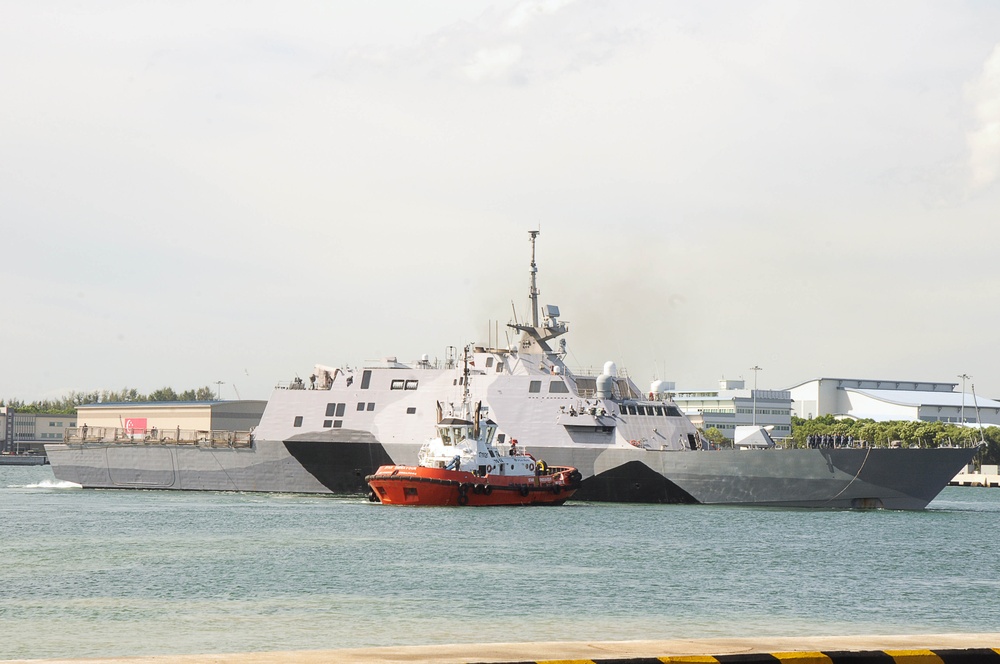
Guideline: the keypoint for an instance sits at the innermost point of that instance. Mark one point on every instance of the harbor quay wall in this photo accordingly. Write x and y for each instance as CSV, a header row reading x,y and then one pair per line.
x,y
902,649
988,476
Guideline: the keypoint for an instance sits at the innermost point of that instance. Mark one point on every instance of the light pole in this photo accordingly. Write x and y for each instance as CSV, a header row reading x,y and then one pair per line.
x,y
964,377
755,369
218,390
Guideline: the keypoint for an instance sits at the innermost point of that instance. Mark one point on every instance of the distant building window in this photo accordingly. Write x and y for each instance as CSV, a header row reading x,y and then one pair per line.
x,y
558,387
535,386
371,406
327,424
397,384
411,384
298,421
411,410
366,379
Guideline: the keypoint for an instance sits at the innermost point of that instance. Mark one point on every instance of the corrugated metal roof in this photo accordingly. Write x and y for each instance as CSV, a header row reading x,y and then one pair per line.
x,y
924,398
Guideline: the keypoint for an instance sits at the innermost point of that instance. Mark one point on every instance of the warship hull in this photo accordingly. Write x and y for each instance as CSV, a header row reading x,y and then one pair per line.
x,y
832,478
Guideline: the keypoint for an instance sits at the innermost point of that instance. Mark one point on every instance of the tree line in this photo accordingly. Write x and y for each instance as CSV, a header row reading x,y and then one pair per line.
x,y
69,403
884,434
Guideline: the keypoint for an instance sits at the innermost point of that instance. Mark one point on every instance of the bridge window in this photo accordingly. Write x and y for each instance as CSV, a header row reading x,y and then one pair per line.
x,y
298,421
371,406
361,405
411,410
327,424
366,379
535,386
411,384
397,384
558,387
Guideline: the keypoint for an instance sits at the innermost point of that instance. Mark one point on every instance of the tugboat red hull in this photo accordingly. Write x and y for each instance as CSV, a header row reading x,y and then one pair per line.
x,y
417,485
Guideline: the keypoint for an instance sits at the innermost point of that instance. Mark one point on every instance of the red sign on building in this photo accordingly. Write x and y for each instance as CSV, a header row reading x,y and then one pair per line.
x,y
135,424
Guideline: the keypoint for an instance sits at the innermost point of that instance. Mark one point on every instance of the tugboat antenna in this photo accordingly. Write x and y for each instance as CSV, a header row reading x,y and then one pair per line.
x,y
465,376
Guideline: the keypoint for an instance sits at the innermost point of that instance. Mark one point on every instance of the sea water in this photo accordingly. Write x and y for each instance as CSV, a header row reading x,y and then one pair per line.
x,y
96,573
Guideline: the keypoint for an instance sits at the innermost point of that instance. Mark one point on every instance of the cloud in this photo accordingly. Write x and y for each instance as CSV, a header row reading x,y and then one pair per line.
x,y
524,12
984,142
493,63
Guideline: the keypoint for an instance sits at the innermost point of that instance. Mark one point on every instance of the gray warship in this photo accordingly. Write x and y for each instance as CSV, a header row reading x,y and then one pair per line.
x,y
630,445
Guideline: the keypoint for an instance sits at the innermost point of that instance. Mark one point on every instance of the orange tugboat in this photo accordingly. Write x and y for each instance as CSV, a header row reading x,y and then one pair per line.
x,y
462,465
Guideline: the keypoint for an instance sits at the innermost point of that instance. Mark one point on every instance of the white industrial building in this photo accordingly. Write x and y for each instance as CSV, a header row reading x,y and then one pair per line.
x,y
733,405
21,432
885,400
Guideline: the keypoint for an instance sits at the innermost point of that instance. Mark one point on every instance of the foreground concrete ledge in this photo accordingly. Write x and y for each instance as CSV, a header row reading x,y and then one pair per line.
x,y
903,647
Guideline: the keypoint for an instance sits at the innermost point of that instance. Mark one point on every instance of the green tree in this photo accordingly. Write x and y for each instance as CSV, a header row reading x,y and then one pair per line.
x,y
716,437
163,394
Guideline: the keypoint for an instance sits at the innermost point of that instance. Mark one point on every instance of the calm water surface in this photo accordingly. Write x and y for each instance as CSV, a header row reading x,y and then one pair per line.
x,y
104,573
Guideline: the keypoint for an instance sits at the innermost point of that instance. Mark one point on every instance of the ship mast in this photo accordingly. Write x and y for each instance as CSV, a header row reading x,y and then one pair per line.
x,y
534,289
538,333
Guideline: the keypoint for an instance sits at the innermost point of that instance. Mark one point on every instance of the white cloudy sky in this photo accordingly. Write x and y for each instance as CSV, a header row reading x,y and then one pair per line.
x,y
201,191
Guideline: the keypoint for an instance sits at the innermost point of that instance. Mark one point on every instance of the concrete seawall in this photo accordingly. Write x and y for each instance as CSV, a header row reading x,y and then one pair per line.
x,y
905,649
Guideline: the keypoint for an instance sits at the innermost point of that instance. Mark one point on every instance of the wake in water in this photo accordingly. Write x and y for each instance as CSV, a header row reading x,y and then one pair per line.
x,y
49,484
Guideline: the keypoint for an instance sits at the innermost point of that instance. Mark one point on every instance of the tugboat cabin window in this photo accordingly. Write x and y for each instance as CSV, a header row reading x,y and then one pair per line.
x,y
445,437
397,384
535,386
298,421
558,387
411,384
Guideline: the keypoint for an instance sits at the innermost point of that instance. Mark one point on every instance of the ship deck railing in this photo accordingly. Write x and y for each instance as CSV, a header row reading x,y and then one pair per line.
x,y
155,436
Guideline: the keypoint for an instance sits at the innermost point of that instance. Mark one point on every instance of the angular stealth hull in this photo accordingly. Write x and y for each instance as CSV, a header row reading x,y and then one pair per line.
x,y
318,463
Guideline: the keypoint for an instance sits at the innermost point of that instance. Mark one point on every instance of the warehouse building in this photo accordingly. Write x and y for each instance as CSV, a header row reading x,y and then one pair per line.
x,y
143,416
886,400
